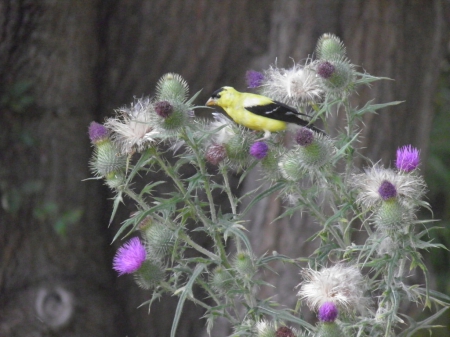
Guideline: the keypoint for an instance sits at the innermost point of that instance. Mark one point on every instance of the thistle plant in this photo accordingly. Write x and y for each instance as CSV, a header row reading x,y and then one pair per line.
x,y
359,294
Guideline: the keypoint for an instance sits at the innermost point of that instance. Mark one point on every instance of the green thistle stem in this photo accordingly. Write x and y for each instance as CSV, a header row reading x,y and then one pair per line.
x,y
130,193
224,172
202,166
182,235
168,169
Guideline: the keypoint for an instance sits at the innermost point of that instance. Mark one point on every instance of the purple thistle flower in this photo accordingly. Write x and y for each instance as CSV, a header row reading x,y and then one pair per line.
x,y
407,158
304,137
327,312
254,78
387,190
325,69
97,132
129,257
163,108
259,150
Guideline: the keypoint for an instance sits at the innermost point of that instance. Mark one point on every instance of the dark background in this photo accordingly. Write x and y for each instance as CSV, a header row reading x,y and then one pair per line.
x,y
66,63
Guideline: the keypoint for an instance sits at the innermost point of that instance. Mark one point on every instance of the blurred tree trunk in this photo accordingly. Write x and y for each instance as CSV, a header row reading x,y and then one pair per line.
x,y
55,275
83,58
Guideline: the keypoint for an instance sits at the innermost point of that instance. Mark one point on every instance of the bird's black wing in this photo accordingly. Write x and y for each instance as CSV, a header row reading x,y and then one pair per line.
x,y
282,112
278,111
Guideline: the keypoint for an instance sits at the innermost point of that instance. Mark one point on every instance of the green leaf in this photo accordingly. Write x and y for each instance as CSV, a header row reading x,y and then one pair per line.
x,y
262,195
283,315
117,200
185,292
369,107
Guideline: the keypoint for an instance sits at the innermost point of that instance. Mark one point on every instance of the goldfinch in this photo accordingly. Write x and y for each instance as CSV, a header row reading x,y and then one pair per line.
x,y
257,112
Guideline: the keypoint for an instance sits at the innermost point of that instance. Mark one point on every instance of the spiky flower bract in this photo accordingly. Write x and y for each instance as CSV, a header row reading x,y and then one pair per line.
x,y
149,275
132,129
331,329
296,87
309,157
259,150
130,257
341,80
328,312
409,189
407,158
254,79
97,132
170,123
341,285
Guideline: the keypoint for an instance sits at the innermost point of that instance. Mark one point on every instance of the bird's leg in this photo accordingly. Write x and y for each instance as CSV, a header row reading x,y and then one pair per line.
x,y
266,135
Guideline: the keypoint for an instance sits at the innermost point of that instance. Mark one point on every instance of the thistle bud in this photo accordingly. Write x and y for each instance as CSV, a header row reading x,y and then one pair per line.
x,y
172,87
149,275
221,280
160,240
244,264
106,159
329,47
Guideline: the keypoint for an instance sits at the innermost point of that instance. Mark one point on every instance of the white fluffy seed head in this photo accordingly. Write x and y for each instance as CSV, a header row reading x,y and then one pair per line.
x,y
297,86
342,285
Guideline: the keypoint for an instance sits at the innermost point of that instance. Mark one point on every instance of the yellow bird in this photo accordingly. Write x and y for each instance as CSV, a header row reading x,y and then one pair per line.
x,y
257,112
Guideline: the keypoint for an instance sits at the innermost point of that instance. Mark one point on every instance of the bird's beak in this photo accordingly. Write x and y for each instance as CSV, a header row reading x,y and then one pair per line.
x,y
211,102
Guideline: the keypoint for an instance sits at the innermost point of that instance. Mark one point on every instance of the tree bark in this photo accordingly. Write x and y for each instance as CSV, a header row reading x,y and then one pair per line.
x,y
55,275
